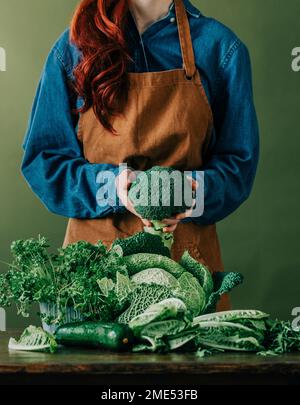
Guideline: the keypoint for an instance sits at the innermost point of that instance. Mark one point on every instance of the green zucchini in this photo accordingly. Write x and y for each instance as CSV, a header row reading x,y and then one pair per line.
x,y
103,335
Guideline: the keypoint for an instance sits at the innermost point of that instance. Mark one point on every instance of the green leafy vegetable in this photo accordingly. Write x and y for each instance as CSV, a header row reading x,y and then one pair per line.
x,y
154,333
160,329
229,336
280,338
142,261
199,271
70,277
30,277
165,309
106,286
181,339
143,296
231,316
34,339
123,287
165,305
223,283
155,276
191,293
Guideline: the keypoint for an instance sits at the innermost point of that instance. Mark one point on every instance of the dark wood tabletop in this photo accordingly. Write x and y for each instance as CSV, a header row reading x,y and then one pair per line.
x,y
74,366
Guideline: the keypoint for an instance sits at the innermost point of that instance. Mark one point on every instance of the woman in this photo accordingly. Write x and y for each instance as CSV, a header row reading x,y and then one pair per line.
x,y
143,82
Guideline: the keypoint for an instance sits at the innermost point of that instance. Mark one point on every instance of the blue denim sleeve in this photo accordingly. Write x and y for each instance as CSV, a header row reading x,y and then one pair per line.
x,y
53,162
231,167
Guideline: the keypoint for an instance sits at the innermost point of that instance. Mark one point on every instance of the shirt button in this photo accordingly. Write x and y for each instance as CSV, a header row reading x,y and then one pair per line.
x,y
172,19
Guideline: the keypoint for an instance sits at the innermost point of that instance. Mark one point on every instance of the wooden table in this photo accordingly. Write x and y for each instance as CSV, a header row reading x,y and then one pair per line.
x,y
73,366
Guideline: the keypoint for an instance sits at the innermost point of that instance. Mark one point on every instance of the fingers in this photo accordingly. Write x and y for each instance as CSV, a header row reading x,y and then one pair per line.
x,y
186,214
146,222
170,221
170,228
194,183
123,182
171,224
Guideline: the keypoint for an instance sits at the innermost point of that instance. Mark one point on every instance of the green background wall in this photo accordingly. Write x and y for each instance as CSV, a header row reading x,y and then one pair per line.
x,y
262,238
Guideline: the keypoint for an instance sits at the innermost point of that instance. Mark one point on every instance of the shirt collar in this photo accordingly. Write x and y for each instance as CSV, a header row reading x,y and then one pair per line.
x,y
190,8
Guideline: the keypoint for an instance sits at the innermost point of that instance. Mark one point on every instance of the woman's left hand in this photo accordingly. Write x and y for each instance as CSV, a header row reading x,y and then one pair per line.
x,y
171,223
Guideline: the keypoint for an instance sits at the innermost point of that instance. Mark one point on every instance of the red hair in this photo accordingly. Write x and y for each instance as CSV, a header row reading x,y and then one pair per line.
x,y
97,29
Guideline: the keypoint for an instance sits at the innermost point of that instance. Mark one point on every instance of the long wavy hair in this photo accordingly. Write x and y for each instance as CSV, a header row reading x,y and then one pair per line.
x,y
97,29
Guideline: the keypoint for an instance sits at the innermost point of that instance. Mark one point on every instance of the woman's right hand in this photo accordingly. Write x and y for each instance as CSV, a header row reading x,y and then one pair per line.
x,y
123,183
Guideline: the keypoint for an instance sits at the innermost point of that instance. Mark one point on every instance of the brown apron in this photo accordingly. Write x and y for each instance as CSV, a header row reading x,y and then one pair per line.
x,y
167,121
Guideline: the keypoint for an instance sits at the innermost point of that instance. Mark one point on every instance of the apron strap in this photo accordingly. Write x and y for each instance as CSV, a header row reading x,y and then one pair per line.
x,y
186,43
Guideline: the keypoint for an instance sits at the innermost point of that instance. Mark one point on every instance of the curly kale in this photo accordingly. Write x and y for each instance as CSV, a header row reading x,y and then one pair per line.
x,y
30,277
68,278
30,253
224,282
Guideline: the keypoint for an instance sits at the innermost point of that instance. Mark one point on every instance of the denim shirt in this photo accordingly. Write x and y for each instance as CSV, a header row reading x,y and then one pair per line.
x,y
54,164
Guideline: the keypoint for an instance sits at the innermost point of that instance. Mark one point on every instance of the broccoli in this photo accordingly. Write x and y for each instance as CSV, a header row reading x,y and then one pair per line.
x,y
224,282
142,242
159,193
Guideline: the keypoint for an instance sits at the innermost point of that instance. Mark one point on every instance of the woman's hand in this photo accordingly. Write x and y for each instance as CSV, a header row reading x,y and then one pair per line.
x,y
123,183
171,223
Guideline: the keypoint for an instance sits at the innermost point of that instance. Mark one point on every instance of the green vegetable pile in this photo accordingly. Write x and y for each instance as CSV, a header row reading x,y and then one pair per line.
x,y
133,295
166,305
108,284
